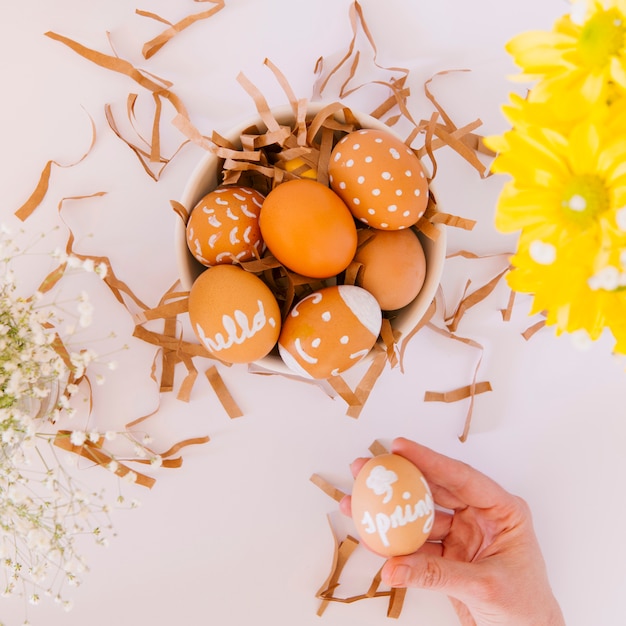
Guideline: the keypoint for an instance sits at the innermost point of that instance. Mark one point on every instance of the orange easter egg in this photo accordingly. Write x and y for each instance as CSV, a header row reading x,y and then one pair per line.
x,y
329,331
392,506
224,226
234,314
380,179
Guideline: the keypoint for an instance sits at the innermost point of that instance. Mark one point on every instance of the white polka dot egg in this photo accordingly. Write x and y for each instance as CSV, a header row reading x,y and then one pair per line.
x,y
380,179
329,331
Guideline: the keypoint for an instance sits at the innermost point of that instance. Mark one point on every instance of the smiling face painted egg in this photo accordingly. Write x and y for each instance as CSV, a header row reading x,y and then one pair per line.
x,y
329,331
380,179
224,226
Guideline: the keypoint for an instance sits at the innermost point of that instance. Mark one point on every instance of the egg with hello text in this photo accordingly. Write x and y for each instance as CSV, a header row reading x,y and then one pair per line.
x,y
393,267
329,331
380,179
392,506
224,226
308,228
234,314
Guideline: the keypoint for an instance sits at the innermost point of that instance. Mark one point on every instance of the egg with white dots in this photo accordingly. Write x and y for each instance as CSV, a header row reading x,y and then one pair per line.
x,y
380,178
329,331
223,227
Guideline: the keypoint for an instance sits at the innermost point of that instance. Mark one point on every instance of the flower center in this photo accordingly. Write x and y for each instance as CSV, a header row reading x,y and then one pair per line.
x,y
585,197
602,37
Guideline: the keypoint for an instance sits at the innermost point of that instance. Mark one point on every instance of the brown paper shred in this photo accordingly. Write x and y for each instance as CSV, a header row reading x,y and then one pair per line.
x,y
473,299
155,84
154,45
341,555
163,341
153,16
352,56
396,602
260,102
169,309
35,199
531,330
344,391
428,315
92,453
453,221
448,132
343,552
366,385
327,488
180,210
390,339
455,395
474,344
222,393
507,312
113,63
377,448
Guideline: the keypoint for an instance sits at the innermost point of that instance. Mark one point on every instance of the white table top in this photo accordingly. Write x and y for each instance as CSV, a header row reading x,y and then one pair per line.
x,y
239,535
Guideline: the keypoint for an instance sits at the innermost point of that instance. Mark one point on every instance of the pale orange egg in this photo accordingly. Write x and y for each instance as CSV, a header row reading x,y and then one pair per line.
x,y
380,179
394,267
224,226
234,314
329,331
392,506
308,228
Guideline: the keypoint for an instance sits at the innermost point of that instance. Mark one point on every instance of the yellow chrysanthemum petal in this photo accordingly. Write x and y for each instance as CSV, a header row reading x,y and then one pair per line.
x,y
537,52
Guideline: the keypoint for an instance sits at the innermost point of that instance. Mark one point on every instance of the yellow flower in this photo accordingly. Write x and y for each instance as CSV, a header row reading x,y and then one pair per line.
x,y
567,196
582,62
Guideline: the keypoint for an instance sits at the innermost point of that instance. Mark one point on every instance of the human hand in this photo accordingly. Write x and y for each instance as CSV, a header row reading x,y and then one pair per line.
x,y
482,551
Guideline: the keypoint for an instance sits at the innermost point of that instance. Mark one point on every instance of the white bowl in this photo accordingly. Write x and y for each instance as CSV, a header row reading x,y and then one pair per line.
x,y
204,179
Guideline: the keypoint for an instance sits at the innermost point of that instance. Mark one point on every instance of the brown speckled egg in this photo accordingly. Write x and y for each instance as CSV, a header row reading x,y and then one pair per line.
x,y
380,179
392,506
394,267
234,314
329,331
224,226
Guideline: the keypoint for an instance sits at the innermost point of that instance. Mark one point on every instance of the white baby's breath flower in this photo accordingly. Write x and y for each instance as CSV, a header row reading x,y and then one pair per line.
x,y
78,437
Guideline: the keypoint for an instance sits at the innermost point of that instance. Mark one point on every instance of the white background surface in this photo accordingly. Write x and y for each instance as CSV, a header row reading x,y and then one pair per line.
x,y
239,535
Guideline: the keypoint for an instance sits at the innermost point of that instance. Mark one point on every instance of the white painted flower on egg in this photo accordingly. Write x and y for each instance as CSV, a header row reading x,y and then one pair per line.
x,y
329,331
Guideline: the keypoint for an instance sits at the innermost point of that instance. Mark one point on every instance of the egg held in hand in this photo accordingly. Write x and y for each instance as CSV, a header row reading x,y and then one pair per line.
x,y
393,267
308,228
380,179
392,506
329,331
234,314
224,226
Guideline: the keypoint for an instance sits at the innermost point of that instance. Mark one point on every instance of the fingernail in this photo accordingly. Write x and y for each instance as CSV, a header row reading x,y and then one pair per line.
x,y
398,576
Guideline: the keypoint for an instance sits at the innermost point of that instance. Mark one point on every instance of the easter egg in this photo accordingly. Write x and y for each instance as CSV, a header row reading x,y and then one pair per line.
x,y
224,226
380,179
234,314
392,506
329,331
393,267
308,228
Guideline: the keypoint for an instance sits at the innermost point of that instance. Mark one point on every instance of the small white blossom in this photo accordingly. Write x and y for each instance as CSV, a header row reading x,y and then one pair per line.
x,y
78,437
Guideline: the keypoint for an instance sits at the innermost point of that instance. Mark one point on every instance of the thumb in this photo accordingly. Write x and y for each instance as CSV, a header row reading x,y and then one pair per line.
x,y
428,571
